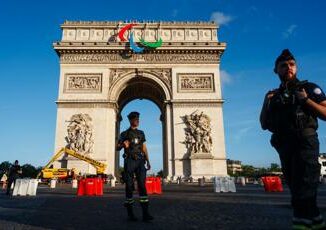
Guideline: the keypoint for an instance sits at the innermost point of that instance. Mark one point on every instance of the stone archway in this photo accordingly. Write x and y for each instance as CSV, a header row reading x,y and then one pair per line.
x,y
99,74
143,84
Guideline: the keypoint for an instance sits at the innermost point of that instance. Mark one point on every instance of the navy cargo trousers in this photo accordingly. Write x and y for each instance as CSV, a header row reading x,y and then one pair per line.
x,y
135,167
299,159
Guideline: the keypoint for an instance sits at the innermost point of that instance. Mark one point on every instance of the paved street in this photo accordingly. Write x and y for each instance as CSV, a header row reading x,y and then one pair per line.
x,y
179,207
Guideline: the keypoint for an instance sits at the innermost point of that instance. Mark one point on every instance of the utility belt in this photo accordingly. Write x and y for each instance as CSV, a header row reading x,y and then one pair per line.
x,y
299,132
134,156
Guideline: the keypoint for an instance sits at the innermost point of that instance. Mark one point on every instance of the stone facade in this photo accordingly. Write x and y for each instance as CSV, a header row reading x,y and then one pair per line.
x,y
99,75
234,166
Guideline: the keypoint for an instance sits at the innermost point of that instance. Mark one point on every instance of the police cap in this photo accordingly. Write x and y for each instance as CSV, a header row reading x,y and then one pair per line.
x,y
133,115
286,55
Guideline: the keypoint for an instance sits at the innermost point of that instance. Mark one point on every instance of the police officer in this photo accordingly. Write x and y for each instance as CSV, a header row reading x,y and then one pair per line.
x,y
290,112
135,157
14,173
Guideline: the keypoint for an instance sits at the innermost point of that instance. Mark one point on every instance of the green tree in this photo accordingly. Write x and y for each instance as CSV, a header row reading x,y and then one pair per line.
x,y
230,172
160,173
4,167
275,168
248,171
29,171
120,171
261,172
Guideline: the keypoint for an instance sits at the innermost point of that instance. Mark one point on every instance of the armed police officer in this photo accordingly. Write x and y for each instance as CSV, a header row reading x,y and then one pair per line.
x,y
135,158
290,112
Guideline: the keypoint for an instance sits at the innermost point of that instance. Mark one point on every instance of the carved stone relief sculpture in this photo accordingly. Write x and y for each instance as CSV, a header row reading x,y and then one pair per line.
x,y
163,74
198,137
83,82
190,82
80,134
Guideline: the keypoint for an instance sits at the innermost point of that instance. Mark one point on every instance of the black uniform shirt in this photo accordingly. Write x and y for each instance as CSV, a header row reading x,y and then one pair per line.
x,y
287,115
135,137
14,171
314,92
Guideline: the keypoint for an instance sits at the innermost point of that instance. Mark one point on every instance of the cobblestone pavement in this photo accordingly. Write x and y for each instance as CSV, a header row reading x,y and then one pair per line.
x,y
179,207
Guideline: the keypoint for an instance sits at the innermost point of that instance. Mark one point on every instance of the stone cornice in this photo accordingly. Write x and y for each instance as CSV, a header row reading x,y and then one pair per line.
x,y
83,101
201,24
152,57
199,101
181,45
198,158
86,104
186,103
76,159
173,101
123,51
104,31
120,48
82,104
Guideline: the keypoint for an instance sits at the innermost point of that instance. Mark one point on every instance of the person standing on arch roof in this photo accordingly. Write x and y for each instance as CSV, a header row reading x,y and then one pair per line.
x,y
290,112
135,156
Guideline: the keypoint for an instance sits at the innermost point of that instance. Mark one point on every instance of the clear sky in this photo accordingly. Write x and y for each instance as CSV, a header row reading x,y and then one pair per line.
x,y
255,32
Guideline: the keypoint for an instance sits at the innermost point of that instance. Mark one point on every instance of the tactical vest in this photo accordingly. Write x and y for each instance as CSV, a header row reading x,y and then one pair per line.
x,y
14,171
136,138
287,116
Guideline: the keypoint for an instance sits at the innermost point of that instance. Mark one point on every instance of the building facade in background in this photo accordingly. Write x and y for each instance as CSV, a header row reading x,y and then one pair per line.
x,y
234,166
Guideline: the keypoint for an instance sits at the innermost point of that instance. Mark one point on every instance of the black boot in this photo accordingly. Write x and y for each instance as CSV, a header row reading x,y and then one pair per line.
x,y
318,223
130,212
146,216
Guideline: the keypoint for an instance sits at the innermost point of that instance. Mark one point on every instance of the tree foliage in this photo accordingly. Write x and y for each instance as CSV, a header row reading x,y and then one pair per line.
x,y
248,171
28,170
251,171
275,168
160,173
4,167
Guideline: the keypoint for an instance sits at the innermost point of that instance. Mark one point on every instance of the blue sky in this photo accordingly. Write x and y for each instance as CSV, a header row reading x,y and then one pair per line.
x,y
255,32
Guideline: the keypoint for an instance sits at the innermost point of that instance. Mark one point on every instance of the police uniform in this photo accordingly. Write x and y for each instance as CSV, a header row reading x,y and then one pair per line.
x,y
295,138
134,165
14,172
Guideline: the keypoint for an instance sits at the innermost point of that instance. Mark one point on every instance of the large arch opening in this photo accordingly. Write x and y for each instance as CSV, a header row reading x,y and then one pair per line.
x,y
151,124
147,96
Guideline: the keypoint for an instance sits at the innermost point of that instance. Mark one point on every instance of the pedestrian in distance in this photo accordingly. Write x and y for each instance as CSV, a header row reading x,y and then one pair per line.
x,y
15,172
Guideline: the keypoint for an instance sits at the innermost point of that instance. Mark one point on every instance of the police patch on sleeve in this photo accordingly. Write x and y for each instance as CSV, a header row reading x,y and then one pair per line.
x,y
317,91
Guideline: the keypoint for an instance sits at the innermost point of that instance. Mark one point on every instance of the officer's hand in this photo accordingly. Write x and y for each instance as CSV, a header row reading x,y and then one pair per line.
x,y
301,95
148,165
126,144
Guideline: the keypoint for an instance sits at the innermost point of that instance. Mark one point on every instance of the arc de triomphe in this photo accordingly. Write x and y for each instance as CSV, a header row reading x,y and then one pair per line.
x,y
100,74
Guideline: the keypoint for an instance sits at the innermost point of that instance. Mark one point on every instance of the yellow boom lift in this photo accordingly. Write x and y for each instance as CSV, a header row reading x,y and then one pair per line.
x,y
61,173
